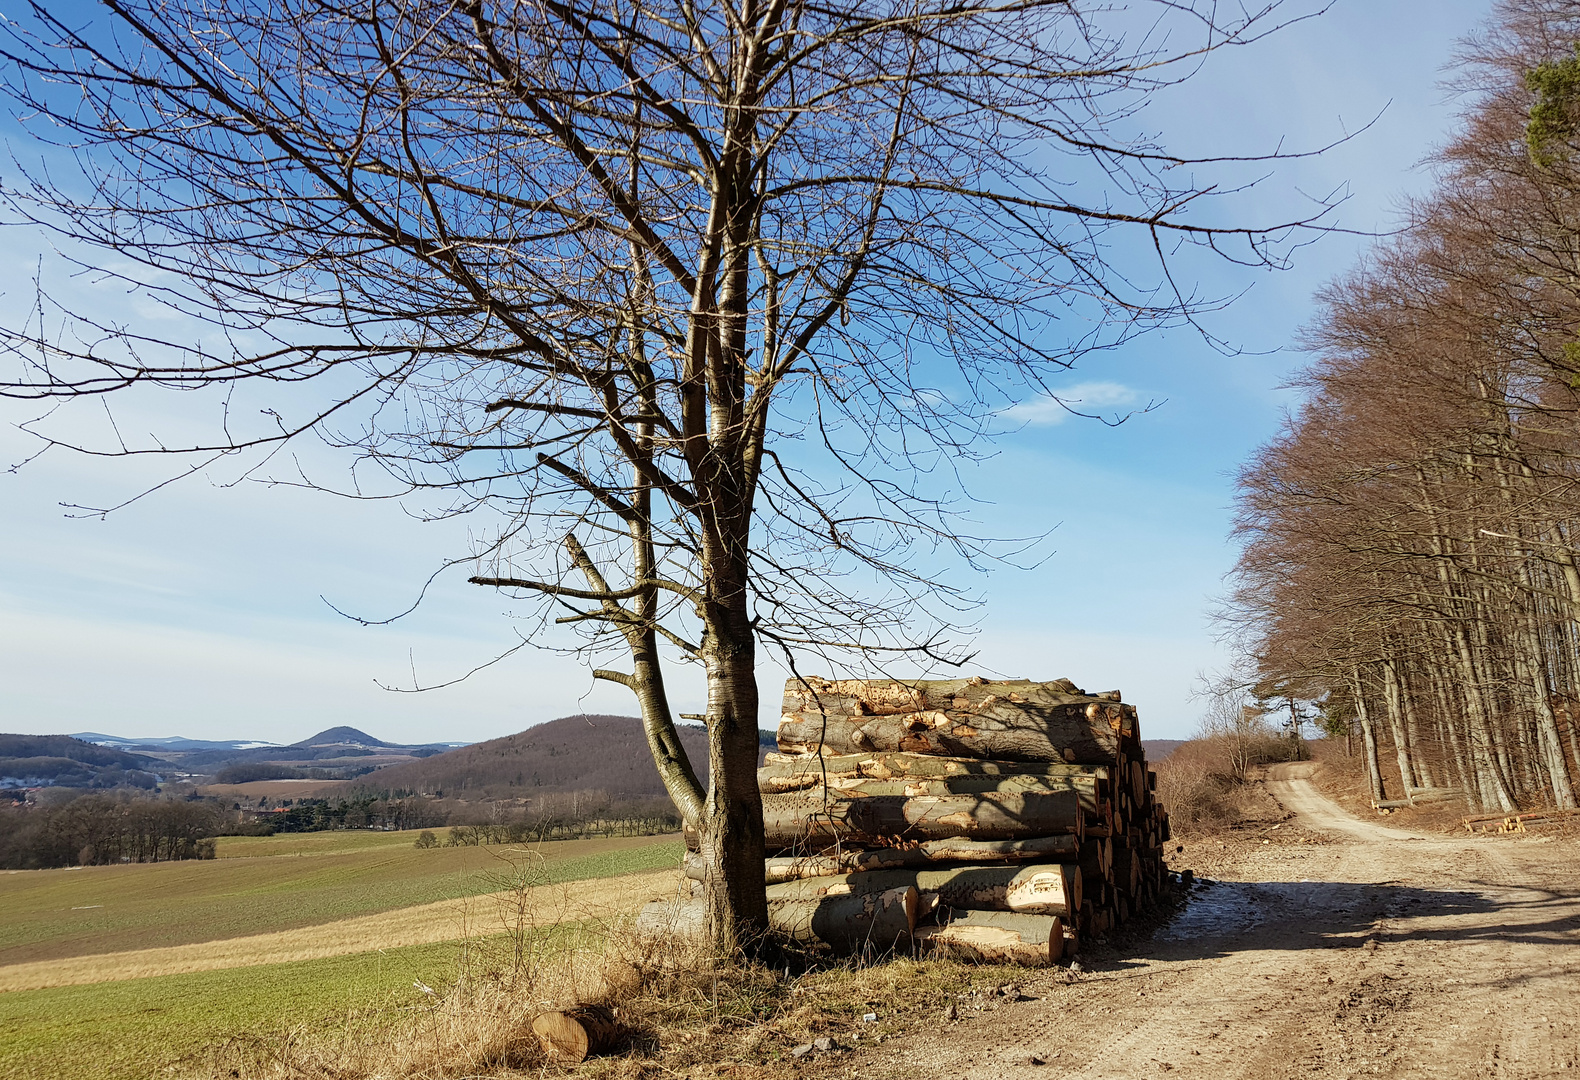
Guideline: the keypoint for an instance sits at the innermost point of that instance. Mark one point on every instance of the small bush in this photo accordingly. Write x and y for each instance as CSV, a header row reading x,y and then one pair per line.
x,y
426,839
1205,783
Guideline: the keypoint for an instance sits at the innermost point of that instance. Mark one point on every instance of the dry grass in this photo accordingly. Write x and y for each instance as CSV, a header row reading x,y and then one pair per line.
x,y
1209,784
684,1011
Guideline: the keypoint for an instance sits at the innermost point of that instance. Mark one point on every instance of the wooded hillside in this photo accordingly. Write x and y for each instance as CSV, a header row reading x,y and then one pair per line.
x,y
574,753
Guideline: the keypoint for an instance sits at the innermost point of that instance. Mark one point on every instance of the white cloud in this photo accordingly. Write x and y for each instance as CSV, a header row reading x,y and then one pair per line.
x,y
1046,410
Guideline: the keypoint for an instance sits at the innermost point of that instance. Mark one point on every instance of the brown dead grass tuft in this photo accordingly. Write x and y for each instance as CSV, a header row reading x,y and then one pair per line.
x,y
686,1011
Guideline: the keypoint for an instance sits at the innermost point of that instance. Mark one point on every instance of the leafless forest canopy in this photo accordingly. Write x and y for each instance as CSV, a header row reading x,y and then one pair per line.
x,y
1410,535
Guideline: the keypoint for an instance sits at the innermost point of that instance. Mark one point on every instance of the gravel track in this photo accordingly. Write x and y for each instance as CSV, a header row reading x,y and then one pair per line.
x,y
1352,950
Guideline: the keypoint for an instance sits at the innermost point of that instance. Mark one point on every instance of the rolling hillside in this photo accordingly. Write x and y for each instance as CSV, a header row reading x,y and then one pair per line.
x,y
62,761
573,753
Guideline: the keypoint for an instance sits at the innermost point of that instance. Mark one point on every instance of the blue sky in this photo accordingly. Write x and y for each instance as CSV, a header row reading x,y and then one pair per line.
x,y
200,610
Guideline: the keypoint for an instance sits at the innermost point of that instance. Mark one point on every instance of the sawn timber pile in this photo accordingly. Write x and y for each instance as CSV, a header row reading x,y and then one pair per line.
x,y
1009,816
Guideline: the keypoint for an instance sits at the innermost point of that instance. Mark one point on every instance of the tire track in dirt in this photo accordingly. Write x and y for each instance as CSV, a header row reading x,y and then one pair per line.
x,y
1384,953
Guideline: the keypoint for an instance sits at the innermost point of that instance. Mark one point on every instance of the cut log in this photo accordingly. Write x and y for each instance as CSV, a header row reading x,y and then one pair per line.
x,y
887,697
848,922
1040,889
812,823
576,1034
792,772
1097,855
1006,720
1085,788
1062,848
994,937
673,919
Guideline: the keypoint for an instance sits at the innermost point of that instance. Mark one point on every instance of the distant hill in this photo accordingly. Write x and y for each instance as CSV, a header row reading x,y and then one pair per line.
x,y
351,738
573,753
1158,749
63,761
168,742
342,751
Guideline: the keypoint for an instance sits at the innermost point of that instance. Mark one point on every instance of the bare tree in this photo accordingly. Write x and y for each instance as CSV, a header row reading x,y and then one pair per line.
x,y
694,298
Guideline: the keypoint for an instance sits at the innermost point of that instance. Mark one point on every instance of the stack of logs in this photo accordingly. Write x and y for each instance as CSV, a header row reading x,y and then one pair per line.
x,y
989,820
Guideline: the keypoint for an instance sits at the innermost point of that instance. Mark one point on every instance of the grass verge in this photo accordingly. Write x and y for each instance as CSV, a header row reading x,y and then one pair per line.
x,y
141,1028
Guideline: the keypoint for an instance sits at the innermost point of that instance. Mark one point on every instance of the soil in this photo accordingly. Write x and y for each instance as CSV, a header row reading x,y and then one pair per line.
x,y
1322,944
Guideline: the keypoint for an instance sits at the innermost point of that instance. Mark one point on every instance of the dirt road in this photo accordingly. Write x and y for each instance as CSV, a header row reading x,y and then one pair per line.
x,y
1354,950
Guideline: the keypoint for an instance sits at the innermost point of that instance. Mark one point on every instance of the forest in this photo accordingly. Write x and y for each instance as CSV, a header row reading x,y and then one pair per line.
x,y
1410,536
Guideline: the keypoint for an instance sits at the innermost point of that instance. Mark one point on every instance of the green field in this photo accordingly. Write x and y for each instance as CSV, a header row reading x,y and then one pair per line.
x,y
260,884
135,1028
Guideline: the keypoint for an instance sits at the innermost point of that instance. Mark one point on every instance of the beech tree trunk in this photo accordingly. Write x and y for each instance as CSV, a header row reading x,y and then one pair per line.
x,y
731,831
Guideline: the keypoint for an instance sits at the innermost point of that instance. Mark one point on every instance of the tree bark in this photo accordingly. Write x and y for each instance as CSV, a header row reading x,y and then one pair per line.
x,y
1042,889
1084,788
848,922
812,823
791,772
1009,721
1063,848
1368,736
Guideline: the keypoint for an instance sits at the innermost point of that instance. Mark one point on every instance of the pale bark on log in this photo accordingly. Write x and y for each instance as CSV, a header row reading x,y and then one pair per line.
x,y
1041,849
677,919
1013,720
576,1034
887,697
1039,889
812,823
1085,788
1061,848
848,922
845,921
788,772
995,937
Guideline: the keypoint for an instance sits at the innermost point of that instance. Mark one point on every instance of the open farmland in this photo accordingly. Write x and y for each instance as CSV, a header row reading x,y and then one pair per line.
x,y
266,884
274,789
158,961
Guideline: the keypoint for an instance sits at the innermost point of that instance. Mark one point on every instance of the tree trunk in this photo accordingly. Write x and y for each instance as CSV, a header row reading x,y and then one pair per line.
x,y
814,823
731,832
1368,736
995,937
1392,695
